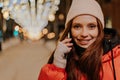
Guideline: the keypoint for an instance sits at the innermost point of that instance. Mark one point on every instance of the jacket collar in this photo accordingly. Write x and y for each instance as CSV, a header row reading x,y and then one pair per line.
x,y
116,52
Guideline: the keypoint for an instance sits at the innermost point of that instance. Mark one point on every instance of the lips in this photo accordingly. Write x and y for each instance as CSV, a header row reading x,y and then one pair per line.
x,y
84,42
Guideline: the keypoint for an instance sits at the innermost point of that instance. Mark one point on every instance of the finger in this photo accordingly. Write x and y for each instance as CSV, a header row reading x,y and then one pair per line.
x,y
69,49
69,44
66,40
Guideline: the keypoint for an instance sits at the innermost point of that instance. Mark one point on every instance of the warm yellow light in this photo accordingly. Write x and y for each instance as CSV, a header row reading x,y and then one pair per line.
x,y
6,15
4,26
57,2
34,36
26,17
17,7
40,1
51,35
51,17
61,17
45,31
6,3
20,30
17,28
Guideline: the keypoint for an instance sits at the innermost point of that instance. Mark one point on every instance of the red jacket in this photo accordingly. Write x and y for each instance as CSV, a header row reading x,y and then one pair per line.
x,y
51,72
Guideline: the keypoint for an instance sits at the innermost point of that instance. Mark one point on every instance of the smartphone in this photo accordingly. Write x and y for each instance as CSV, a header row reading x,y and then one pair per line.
x,y
68,35
65,35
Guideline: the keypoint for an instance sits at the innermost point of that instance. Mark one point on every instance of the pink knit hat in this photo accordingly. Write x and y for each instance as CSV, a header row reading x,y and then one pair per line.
x,y
79,7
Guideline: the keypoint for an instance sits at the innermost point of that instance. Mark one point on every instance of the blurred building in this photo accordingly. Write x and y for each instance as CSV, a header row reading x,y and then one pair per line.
x,y
111,10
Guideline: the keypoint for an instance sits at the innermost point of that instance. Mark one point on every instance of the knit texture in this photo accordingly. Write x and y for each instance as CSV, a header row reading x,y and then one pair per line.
x,y
59,59
80,7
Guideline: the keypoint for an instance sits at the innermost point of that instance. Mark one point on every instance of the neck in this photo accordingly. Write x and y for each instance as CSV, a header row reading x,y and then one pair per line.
x,y
79,50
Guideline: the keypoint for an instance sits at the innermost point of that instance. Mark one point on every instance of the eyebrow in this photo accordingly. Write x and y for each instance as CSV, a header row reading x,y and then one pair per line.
x,y
75,24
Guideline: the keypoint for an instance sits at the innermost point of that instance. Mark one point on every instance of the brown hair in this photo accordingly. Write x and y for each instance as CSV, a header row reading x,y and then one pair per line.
x,y
89,63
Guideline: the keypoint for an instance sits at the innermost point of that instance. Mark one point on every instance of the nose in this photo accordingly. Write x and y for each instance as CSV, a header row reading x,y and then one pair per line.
x,y
84,33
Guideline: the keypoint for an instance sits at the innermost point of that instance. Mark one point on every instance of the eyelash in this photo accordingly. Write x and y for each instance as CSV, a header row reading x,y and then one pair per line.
x,y
92,26
76,26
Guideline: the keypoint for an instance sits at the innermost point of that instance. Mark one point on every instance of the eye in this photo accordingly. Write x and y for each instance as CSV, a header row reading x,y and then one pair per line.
x,y
92,26
76,26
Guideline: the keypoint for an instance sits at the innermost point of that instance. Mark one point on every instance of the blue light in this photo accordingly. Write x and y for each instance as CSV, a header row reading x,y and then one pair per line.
x,y
15,33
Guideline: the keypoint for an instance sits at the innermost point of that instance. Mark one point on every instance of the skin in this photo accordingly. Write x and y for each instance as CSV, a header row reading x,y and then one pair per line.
x,y
84,30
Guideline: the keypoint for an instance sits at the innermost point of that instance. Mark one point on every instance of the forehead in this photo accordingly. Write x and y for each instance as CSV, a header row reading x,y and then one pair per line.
x,y
85,18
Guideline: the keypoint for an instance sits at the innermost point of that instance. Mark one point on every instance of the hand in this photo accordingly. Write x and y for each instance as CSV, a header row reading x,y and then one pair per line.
x,y
62,48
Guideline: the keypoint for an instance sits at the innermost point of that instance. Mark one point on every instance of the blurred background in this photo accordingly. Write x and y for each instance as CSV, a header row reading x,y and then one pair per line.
x,y
29,30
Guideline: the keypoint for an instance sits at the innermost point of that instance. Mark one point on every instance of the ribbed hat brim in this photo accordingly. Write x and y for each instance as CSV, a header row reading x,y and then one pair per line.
x,y
80,7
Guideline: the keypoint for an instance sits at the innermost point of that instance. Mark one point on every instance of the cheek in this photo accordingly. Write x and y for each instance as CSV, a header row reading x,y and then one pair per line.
x,y
74,33
94,33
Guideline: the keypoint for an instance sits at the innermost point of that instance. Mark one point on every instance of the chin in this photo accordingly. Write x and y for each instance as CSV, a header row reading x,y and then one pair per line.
x,y
84,46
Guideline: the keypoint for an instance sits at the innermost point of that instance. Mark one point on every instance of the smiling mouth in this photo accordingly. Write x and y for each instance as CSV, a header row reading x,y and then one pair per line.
x,y
84,42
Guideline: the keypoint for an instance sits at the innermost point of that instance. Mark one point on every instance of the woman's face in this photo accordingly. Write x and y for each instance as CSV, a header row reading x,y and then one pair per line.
x,y
84,30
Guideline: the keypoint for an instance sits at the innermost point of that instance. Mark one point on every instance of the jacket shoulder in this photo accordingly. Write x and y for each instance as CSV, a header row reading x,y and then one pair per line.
x,y
116,54
51,72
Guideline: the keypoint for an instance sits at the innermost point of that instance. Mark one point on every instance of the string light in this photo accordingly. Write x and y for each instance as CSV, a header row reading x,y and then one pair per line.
x,y
29,14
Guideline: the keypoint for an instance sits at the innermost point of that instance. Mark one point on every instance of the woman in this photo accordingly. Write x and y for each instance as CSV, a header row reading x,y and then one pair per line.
x,y
85,54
